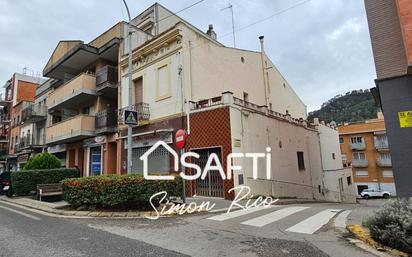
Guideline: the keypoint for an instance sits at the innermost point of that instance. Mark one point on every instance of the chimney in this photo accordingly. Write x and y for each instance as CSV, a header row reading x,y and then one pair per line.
x,y
211,32
262,44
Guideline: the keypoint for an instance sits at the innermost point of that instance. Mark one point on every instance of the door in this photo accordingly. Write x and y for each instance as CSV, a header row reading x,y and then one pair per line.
x,y
96,161
212,185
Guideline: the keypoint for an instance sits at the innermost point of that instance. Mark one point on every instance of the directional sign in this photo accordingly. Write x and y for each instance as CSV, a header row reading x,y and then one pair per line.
x,y
130,117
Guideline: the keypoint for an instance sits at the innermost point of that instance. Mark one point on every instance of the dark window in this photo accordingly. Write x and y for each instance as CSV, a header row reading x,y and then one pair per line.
x,y
341,140
240,179
245,97
349,180
333,156
301,161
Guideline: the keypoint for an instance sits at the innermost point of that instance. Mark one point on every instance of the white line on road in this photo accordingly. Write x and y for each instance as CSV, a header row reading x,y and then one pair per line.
x,y
342,218
314,223
21,213
273,216
234,214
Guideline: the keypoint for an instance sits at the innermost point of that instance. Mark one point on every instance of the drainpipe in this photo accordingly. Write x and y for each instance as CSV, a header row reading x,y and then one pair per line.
x,y
262,54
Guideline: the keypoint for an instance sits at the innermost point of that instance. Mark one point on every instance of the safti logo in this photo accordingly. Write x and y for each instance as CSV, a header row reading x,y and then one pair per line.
x,y
213,163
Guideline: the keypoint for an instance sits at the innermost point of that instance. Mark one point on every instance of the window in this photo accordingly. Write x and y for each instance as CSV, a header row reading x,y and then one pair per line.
x,y
362,173
385,156
341,140
86,110
358,155
138,90
333,156
387,174
163,77
301,161
349,180
356,140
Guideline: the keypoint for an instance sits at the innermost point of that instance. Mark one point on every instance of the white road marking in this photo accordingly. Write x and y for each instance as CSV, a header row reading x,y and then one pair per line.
x,y
234,214
273,216
314,223
342,219
21,213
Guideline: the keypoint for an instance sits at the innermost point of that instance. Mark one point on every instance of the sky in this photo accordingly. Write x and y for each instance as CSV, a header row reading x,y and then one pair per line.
x,y
322,47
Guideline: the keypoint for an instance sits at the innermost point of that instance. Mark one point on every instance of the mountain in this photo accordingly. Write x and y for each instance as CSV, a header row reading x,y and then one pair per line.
x,y
354,106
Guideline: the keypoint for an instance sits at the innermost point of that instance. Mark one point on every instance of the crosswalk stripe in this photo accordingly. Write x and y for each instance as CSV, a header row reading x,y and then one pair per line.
x,y
273,216
235,214
314,223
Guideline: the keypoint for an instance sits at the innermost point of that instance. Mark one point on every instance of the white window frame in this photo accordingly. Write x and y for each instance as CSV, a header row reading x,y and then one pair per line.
x,y
354,139
358,154
359,174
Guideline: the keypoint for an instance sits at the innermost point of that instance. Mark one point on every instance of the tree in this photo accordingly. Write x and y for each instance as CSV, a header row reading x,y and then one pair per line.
x,y
43,161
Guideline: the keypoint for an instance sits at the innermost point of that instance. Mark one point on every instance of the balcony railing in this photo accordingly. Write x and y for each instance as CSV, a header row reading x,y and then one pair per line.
x,y
73,129
3,154
358,146
142,109
381,145
34,113
78,90
106,121
107,79
384,162
360,163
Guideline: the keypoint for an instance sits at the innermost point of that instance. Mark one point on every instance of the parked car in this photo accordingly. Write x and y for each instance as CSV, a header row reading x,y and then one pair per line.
x,y
368,193
5,183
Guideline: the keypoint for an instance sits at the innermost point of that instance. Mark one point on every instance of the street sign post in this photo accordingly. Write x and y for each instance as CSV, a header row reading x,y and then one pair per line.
x,y
180,141
130,117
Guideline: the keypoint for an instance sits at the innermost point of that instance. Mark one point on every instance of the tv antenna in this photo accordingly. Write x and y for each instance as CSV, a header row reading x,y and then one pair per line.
x,y
230,6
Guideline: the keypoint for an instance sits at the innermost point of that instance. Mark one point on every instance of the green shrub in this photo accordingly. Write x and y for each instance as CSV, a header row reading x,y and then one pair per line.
x,y
25,182
117,191
42,161
392,225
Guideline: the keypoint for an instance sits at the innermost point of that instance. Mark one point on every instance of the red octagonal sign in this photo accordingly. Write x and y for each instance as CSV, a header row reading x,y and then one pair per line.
x,y
180,138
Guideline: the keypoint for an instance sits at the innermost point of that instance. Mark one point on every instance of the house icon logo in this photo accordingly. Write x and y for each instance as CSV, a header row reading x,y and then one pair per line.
x,y
145,157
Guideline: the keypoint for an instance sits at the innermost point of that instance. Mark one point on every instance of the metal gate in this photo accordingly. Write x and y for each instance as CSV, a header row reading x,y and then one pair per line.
x,y
212,185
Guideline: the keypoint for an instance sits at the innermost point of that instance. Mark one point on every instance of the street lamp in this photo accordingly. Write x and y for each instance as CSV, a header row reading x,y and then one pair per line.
x,y
129,128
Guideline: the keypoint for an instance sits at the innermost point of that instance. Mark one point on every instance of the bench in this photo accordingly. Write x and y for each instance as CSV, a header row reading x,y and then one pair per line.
x,y
49,190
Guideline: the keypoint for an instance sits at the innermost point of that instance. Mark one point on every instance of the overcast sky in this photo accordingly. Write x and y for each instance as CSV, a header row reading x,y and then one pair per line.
x,y
322,47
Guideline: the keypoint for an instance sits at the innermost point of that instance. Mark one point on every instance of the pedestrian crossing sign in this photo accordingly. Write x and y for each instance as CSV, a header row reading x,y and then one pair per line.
x,y
130,117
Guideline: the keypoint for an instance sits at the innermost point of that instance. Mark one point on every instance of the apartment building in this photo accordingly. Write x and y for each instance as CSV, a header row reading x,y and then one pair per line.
x,y
365,148
19,91
238,102
391,37
337,180
82,103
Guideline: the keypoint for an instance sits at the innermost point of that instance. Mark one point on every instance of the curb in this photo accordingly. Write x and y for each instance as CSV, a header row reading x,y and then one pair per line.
x,y
84,214
365,241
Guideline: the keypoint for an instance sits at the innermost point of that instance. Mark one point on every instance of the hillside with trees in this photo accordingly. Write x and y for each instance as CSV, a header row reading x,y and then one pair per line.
x,y
354,106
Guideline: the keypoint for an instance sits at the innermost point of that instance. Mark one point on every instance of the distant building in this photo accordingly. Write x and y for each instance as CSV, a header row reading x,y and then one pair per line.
x,y
365,148
391,35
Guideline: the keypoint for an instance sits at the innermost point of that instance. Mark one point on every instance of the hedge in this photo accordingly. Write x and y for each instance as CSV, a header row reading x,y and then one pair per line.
x,y
25,182
43,161
392,225
117,191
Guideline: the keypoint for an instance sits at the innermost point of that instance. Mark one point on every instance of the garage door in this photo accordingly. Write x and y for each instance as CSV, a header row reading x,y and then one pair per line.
x,y
158,161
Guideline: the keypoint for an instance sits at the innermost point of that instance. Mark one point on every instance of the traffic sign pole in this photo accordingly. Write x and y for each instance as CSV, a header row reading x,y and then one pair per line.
x,y
183,181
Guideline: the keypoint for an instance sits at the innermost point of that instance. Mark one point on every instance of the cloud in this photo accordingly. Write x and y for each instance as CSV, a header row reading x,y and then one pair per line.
x,y
322,47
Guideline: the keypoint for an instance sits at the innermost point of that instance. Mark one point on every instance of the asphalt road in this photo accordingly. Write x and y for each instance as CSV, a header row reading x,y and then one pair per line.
x,y
26,233
23,233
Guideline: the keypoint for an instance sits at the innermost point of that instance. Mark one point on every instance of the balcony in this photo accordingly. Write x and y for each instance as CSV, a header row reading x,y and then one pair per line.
x,y
80,89
360,163
33,112
73,129
106,121
3,154
142,109
358,146
4,139
381,145
107,81
384,163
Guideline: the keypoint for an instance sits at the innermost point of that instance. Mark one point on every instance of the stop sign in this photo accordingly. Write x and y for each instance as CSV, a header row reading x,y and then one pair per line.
x,y
180,138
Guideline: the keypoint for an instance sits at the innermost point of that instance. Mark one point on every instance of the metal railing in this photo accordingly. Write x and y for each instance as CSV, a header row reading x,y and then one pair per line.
x,y
106,120
379,144
142,109
34,111
106,77
384,162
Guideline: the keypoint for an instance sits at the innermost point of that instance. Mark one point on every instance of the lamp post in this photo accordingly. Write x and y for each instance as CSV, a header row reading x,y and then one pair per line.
x,y
129,128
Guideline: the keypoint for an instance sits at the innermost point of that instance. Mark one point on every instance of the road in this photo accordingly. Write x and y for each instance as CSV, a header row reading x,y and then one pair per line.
x,y
292,230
